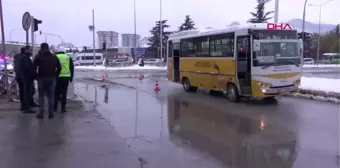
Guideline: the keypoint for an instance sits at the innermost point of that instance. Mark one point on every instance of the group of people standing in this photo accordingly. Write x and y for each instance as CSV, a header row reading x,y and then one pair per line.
x,y
53,73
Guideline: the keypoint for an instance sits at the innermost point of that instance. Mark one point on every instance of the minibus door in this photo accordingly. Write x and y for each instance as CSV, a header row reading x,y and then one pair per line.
x,y
243,67
176,60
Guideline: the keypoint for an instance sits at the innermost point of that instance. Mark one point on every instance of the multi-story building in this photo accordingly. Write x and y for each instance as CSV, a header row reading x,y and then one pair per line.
x,y
130,40
110,37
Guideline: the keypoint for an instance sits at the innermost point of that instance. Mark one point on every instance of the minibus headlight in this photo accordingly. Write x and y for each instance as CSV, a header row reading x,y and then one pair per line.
x,y
263,85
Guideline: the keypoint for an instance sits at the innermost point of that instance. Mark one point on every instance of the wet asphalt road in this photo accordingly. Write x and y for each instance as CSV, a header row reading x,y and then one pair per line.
x,y
197,130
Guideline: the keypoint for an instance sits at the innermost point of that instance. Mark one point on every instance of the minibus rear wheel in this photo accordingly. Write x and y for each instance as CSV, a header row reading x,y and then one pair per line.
x,y
187,85
232,93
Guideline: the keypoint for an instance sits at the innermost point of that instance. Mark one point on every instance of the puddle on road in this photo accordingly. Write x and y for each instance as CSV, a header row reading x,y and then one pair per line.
x,y
172,132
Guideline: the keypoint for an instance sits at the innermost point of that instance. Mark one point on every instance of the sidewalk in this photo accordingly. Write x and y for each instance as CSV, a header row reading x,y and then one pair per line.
x,y
79,139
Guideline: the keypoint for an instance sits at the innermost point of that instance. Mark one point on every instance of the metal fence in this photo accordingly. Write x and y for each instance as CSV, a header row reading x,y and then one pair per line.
x,y
12,89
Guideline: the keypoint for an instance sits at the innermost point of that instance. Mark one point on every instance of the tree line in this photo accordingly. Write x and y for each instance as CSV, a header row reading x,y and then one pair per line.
x,y
329,41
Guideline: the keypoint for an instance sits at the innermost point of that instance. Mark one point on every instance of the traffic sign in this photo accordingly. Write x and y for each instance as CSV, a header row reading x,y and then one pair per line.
x,y
139,52
26,21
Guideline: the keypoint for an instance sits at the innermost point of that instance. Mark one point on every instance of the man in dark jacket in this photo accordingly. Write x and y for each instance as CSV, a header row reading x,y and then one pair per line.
x,y
19,76
64,78
26,75
48,67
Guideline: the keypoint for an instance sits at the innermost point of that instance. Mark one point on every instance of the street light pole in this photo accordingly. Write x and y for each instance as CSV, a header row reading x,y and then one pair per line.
x,y
10,40
276,14
50,34
319,37
303,28
134,22
94,39
161,29
319,31
10,35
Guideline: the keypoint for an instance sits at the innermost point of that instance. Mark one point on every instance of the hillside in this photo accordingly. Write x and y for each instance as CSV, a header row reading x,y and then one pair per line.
x,y
311,27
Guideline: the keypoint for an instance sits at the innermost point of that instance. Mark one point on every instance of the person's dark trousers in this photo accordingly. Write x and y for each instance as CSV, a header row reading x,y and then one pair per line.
x,y
20,82
46,87
21,92
28,86
61,93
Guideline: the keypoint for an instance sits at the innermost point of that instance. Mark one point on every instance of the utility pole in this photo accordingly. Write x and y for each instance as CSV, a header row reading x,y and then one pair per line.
x,y
94,39
135,29
3,45
161,29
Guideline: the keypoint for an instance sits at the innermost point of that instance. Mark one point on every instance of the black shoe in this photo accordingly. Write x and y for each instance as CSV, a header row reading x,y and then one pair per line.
x,y
21,109
63,111
40,116
29,111
55,109
34,105
50,116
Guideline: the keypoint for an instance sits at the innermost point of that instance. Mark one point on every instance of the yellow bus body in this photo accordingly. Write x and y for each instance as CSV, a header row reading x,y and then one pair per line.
x,y
202,74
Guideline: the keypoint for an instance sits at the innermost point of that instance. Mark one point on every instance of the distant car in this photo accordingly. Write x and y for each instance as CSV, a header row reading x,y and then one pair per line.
x,y
308,61
119,62
76,63
9,64
156,62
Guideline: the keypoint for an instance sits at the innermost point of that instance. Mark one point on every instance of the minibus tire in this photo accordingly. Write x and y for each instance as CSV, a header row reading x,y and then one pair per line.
x,y
187,85
232,93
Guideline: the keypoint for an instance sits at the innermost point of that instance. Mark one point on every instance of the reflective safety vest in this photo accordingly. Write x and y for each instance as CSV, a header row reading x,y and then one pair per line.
x,y
65,65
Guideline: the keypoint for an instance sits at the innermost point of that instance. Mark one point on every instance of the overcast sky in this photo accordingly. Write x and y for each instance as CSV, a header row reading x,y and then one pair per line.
x,y
71,18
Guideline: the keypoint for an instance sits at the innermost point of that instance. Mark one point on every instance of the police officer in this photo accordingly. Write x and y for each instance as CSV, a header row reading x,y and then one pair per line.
x,y
64,78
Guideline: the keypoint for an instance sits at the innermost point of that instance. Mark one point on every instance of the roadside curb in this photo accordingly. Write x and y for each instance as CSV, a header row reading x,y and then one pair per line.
x,y
318,95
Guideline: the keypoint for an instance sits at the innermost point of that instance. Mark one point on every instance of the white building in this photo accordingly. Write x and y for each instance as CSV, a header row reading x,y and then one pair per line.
x,y
130,40
110,37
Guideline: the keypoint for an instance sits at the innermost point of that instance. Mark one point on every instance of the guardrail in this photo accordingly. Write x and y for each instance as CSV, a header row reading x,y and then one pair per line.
x,y
12,89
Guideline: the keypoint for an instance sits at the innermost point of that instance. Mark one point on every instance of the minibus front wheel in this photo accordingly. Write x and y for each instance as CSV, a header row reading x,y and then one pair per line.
x,y
187,85
232,93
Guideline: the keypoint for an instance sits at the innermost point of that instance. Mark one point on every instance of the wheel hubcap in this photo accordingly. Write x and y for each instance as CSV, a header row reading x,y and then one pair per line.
x,y
231,94
186,84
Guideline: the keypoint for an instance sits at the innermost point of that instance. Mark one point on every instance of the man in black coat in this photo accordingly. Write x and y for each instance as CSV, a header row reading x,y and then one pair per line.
x,y
19,76
48,67
26,75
